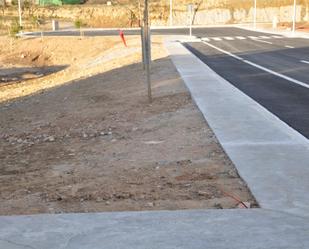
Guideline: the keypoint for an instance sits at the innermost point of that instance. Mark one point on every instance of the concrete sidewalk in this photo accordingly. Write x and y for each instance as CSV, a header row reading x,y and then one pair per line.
x,y
270,156
212,229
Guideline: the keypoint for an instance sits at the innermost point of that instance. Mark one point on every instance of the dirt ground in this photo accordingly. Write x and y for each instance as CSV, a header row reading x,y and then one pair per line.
x,y
85,139
286,26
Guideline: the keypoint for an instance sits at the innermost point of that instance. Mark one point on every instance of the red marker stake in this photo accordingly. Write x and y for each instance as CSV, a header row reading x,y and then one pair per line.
x,y
122,37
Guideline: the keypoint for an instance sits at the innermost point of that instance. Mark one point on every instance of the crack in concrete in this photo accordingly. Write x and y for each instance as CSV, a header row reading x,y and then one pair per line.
x,y
18,244
70,239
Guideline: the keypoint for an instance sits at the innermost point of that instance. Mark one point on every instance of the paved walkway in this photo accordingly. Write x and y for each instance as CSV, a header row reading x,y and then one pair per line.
x,y
212,229
270,156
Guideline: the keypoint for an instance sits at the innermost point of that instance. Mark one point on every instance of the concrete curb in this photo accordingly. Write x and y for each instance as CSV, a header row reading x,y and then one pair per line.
x,y
269,155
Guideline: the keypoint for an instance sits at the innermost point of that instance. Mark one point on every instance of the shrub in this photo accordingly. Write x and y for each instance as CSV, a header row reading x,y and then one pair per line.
x,y
78,23
15,28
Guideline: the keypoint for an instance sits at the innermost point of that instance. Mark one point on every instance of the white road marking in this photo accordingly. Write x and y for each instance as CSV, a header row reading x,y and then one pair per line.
x,y
277,36
264,37
264,41
287,46
259,67
241,38
205,39
303,61
253,37
228,38
191,40
216,38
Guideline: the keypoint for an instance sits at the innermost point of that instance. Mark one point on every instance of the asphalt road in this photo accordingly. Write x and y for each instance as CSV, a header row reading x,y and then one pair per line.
x,y
212,32
271,69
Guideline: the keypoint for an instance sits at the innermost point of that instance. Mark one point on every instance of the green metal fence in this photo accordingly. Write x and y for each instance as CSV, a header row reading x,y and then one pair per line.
x,y
58,2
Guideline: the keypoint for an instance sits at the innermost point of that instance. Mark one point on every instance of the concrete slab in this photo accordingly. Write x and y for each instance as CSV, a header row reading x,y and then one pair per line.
x,y
270,156
275,176
233,229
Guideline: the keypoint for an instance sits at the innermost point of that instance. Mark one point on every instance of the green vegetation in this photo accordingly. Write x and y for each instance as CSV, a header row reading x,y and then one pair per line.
x,y
15,28
78,23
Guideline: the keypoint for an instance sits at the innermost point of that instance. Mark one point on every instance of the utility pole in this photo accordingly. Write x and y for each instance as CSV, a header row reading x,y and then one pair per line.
x,y
190,10
147,44
254,15
294,17
19,13
171,12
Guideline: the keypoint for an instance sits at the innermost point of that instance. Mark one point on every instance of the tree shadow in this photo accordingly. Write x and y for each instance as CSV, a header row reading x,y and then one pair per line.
x,y
160,75
19,74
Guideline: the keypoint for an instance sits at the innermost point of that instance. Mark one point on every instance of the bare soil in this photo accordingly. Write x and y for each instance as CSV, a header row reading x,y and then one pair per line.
x,y
287,26
87,140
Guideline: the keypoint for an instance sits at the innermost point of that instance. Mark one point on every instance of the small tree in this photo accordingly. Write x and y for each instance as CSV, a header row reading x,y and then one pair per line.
x,y
79,24
15,28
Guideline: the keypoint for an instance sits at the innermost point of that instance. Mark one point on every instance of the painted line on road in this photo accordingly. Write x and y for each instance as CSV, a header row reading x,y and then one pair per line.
x,y
277,36
216,38
264,37
258,66
303,61
241,38
228,38
287,46
264,41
